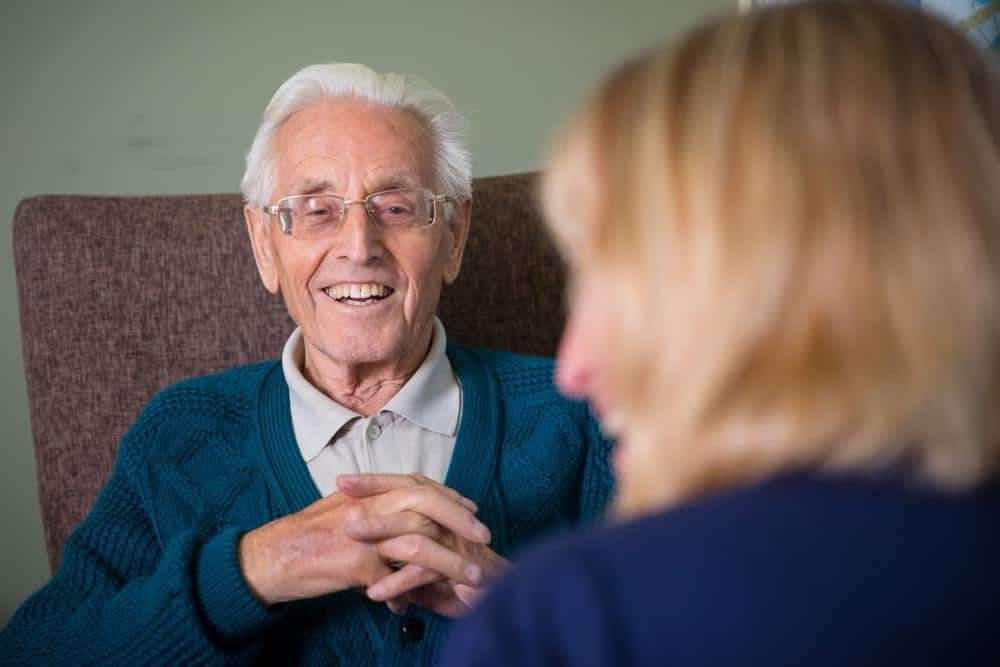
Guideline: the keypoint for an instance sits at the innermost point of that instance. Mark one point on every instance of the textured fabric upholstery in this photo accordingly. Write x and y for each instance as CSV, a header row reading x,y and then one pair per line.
x,y
122,296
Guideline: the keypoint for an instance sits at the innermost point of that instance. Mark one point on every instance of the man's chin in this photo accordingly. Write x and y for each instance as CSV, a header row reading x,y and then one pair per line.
x,y
363,354
359,350
350,343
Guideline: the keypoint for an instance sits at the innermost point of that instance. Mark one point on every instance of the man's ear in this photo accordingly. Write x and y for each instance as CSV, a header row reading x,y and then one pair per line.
x,y
456,235
263,248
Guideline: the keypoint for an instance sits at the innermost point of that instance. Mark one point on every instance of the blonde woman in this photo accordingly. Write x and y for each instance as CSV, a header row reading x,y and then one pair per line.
x,y
784,241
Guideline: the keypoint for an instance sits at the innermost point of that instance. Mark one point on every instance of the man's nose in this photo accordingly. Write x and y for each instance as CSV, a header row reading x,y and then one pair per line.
x,y
358,239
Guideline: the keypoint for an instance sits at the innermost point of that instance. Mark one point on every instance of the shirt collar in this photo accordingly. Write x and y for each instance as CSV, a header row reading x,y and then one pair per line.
x,y
431,398
315,416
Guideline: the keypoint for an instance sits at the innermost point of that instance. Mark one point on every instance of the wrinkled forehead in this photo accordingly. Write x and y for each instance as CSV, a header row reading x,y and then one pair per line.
x,y
346,142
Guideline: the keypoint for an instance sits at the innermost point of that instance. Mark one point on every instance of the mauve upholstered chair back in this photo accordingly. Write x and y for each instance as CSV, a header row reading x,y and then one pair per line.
x,y
122,296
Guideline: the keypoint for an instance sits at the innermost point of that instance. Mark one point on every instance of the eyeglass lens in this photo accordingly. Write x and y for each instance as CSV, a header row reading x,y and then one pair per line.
x,y
394,209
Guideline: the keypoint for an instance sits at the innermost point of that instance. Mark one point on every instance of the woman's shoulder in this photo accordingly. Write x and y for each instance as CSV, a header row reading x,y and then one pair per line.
x,y
714,578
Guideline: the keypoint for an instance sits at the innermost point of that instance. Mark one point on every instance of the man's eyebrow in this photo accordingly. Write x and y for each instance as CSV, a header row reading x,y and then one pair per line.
x,y
397,181
309,186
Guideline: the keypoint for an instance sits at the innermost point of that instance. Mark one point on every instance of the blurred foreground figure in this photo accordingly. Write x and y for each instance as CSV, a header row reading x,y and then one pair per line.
x,y
784,234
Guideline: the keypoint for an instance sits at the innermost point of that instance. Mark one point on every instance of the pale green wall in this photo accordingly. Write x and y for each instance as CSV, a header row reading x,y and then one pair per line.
x,y
143,97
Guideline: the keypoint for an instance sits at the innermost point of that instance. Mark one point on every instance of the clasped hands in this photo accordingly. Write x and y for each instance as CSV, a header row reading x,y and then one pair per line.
x,y
401,538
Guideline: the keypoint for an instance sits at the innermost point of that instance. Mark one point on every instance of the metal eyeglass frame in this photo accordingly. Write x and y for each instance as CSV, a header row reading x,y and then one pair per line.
x,y
281,207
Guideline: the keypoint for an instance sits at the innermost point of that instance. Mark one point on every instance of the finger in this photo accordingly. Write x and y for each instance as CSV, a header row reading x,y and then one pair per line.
x,y
427,481
364,485
430,555
377,570
326,503
398,606
440,598
491,562
373,573
432,504
401,582
380,527
373,484
468,595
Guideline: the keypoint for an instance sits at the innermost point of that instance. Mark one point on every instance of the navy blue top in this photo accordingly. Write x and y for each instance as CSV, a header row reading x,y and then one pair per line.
x,y
799,570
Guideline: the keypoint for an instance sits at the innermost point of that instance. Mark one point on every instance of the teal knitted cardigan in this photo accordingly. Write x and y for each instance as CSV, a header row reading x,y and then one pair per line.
x,y
152,575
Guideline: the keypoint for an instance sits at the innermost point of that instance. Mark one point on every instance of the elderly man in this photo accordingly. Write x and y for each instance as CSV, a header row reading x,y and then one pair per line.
x,y
338,505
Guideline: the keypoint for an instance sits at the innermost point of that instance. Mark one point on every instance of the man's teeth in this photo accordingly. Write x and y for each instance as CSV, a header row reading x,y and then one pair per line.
x,y
364,291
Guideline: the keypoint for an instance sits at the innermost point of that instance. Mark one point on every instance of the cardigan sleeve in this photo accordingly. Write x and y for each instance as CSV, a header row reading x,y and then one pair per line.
x,y
120,597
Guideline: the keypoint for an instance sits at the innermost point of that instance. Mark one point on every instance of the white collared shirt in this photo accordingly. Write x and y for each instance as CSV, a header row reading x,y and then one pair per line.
x,y
414,432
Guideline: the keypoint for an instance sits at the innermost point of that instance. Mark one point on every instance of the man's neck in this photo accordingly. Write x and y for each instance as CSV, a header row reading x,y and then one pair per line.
x,y
364,388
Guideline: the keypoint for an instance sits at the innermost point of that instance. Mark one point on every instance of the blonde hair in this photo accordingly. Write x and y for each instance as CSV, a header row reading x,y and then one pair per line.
x,y
799,212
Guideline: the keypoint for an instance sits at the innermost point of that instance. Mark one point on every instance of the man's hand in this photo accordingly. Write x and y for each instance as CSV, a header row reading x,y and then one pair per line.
x,y
415,582
309,553
417,585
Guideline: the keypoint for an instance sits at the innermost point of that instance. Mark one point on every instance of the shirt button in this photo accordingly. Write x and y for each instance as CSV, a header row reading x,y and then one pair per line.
x,y
413,630
374,431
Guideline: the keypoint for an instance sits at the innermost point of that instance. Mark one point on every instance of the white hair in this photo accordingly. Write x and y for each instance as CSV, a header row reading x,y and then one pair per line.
x,y
452,161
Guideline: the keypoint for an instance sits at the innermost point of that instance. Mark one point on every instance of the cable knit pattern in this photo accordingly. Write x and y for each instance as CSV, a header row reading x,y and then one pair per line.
x,y
152,575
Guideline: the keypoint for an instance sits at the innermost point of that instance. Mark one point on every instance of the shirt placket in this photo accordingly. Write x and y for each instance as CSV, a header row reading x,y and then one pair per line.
x,y
373,430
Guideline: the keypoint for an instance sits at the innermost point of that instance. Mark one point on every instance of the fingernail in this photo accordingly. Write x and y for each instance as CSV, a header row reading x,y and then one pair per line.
x,y
474,573
471,506
482,532
376,592
346,479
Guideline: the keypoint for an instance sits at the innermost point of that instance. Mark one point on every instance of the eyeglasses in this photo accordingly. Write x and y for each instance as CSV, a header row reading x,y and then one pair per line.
x,y
314,216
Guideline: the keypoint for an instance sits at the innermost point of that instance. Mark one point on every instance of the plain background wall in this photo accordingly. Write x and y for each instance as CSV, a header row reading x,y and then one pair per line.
x,y
127,97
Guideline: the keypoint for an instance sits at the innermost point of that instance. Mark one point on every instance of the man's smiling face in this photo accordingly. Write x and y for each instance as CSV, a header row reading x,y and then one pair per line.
x,y
364,297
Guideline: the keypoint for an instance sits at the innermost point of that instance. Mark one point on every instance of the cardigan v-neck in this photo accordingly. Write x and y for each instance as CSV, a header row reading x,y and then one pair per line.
x,y
471,465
